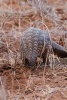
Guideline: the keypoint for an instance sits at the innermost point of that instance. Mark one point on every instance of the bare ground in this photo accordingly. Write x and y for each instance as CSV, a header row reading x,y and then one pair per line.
x,y
18,82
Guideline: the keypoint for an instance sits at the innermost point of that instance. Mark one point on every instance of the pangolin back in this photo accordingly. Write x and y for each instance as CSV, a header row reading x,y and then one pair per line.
x,y
32,42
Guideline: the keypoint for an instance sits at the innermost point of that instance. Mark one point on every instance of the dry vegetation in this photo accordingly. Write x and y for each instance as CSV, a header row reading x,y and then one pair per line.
x,y
20,83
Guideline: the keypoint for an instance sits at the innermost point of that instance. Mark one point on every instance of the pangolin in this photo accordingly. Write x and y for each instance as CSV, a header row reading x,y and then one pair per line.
x,y
35,43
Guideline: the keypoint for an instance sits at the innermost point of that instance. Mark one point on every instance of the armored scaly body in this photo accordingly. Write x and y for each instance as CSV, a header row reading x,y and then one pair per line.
x,y
35,43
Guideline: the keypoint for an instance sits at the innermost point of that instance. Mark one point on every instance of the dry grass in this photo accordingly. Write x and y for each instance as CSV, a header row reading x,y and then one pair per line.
x,y
22,83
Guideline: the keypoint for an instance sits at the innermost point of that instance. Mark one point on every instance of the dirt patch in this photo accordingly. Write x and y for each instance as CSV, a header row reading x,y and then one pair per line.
x,y
18,82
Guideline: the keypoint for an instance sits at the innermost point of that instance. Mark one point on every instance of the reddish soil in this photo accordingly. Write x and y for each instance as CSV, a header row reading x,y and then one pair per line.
x,y
18,82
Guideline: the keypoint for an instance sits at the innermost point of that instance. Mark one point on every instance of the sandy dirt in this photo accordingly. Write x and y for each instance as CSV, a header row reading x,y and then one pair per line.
x,y
16,81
